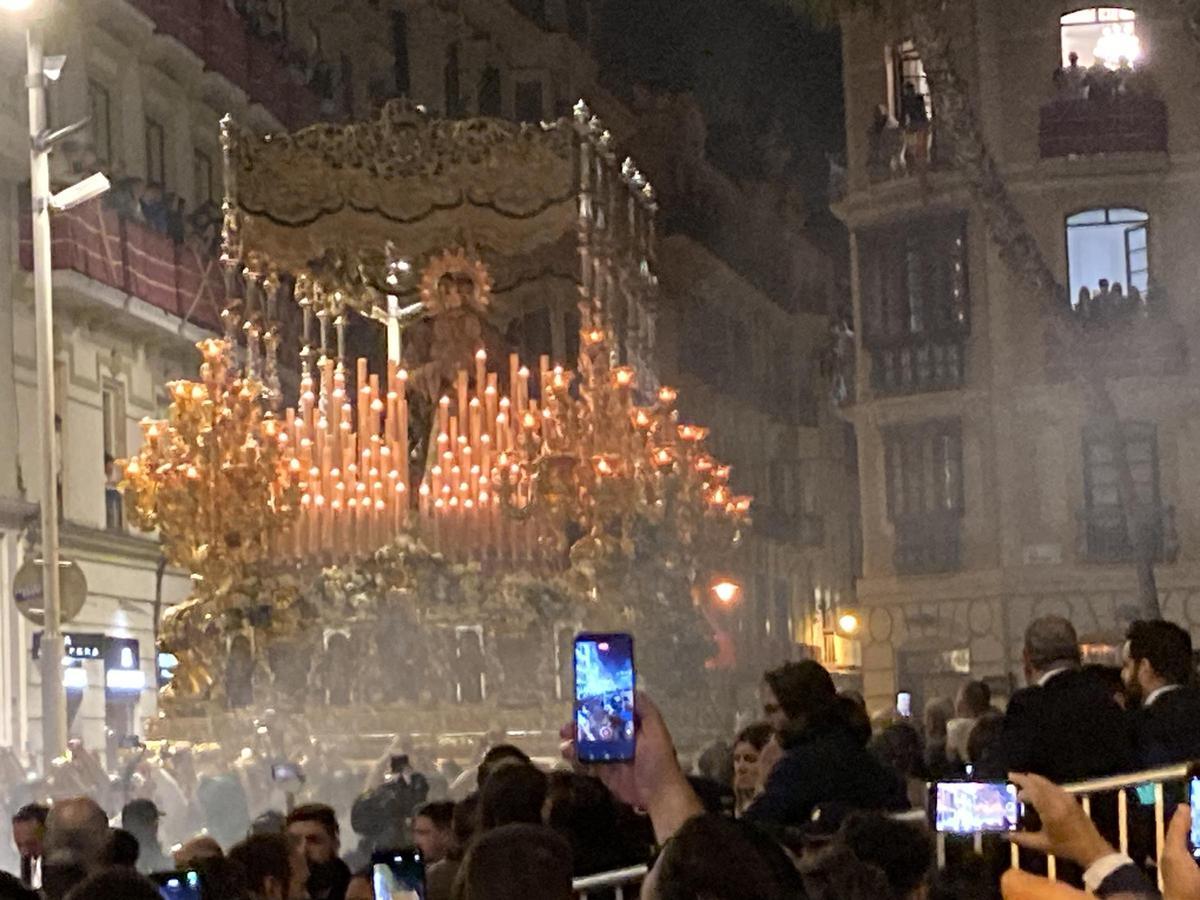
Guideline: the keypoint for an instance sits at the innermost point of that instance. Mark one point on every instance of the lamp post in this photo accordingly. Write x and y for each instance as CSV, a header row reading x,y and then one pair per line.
x,y
41,141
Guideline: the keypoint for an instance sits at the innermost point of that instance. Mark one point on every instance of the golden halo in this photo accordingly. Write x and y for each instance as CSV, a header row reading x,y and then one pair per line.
x,y
454,279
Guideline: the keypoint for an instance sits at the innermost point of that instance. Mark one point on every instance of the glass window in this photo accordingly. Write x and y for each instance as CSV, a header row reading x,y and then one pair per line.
x,y
400,52
528,107
1104,34
908,78
1108,247
490,99
202,177
100,109
455,108
924,470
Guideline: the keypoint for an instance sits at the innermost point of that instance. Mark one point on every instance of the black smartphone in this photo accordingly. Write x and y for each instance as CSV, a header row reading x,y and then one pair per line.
x,y
974,807
398,874
604,688
183,885
398,763
1193,794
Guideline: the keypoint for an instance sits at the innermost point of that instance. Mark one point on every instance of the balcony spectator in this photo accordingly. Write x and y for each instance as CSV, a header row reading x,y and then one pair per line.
x,y
112,495
176,215
886,142
914,116
154,207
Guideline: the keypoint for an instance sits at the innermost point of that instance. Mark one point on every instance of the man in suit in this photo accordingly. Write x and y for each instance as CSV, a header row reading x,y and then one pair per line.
x,y
1166,705
1065,725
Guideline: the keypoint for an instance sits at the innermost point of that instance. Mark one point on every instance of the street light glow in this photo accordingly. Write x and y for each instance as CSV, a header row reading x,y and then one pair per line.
x,y
848,623
726,591
15,5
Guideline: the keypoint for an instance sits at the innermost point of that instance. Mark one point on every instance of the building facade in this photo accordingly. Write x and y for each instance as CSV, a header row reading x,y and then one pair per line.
x,y
989,494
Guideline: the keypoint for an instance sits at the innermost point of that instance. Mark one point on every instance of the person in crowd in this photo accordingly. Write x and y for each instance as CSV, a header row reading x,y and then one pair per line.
x,y
982,741
898,747
1064,725
315,826
581,809
937,715
226,814
11,888
1111,678
273,867
140,818
197,850
124,850
516,862
715,763
902,851
433,831
75,844
439,877
747,748
973,700
854,707
117,884
836,873
823,761
29,834
154,208
514,794
270,822
1158,679
381,815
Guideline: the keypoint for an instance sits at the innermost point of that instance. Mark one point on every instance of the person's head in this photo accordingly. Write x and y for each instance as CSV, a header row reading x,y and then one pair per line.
x,y
973,700
899,748
360,887
497,757
581,809
1073,58
123,849
1050,643
1113,680
433,830
1157,654
270,822
29,829
938,712
797,693
140,818
77,833
714,858
747,748
716,763
269,866
984,736
836,873
116,884
903,852
196,850
315,826
513,794
516,862
465,822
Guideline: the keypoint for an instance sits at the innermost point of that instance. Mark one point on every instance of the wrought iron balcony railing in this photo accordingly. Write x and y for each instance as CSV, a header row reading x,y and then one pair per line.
x,y
917,364
1103,537
1084,126
778,524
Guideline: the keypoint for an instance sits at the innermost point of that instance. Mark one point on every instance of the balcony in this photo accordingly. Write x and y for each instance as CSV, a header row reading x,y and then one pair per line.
x,y
1103,537
777,524
928,544
1083,126
916,364
260,66
181,279
1125,338
895,152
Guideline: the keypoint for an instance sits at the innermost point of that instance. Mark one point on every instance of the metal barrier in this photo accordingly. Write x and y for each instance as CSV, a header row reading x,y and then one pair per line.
x,y
618,881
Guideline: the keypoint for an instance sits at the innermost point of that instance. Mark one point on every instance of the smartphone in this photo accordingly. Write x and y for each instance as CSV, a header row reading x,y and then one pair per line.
x,y
904,704
974,807
1194,801
286,771
183,885
398,763
604,686
398,874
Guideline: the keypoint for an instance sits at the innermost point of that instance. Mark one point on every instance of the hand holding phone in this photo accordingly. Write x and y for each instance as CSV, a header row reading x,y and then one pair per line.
x,y
287,771
604,698
182,885
904,704
1066,831
398,874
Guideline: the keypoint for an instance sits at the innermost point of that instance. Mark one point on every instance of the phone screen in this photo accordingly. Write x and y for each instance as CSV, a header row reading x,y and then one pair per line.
x,y
398,874
973,807
604,683
1194,802
286,772
185,885
904,704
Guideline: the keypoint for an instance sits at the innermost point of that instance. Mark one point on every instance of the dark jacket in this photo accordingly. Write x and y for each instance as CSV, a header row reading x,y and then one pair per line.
x,y
1127,881
1069,730
825,765
1168,731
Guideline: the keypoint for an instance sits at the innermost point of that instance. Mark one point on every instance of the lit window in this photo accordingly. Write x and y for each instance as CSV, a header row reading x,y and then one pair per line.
x,y
1105,34
1108,248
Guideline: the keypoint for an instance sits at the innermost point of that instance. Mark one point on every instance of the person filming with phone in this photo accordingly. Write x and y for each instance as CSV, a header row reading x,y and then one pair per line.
x,y
382,815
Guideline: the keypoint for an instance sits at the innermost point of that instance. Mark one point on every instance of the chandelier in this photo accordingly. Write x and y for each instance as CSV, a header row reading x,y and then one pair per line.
x,y
215,478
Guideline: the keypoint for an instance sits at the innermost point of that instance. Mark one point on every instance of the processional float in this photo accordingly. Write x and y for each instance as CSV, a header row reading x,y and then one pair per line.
x,y
488,458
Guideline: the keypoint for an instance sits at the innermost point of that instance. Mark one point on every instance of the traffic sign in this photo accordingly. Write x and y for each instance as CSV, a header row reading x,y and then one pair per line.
x,y
28,590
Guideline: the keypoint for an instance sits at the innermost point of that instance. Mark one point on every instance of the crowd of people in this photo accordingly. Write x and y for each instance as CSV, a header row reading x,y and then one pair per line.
x,y
1100,83
806,803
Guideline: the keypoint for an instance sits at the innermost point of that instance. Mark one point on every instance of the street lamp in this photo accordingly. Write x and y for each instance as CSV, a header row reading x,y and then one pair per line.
x,y
726,591
848,624
41,142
